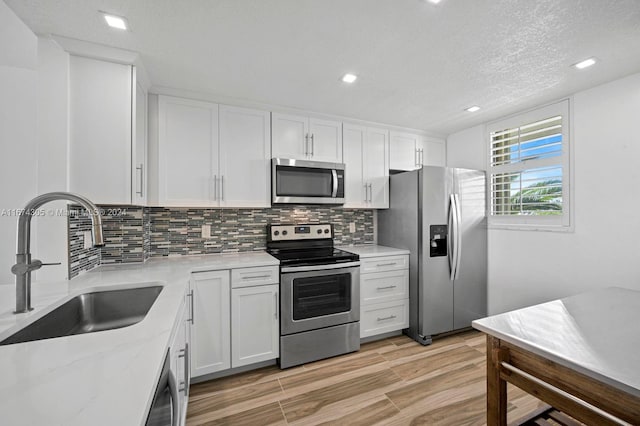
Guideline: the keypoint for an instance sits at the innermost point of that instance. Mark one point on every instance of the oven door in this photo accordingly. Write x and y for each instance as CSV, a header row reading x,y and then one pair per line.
x,y
314,297
307,182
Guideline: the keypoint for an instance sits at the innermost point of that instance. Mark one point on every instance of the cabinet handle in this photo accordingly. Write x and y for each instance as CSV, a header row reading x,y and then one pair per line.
x,y
365,192
256,277
421,157
141,168
190,294
386,264
386,287
312,145
222,188
306,144
276,300
415,158
215,187
387,318
370,192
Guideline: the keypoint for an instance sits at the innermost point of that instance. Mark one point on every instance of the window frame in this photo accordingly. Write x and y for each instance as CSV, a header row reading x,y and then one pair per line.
x,y
562,222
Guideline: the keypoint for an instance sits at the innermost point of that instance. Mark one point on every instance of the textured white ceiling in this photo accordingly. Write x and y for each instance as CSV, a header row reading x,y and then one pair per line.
x,y
419,64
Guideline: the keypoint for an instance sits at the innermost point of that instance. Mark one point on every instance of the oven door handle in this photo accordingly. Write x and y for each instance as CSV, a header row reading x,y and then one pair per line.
x,y
319,267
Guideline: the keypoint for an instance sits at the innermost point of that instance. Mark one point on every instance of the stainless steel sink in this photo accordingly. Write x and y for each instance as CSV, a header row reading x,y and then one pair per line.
x,y
90,312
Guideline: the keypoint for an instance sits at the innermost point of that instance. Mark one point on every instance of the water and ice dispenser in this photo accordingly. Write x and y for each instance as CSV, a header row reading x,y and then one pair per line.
x,y
437,240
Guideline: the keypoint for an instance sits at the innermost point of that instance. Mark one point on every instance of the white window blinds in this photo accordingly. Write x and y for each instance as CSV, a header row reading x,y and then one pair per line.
x,y
529,168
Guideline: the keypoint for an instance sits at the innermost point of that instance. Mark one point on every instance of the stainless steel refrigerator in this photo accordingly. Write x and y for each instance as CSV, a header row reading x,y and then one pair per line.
x,y
439,215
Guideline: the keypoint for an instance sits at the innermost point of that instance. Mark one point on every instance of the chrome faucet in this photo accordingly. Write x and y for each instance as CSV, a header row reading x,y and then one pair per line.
x,y
24,265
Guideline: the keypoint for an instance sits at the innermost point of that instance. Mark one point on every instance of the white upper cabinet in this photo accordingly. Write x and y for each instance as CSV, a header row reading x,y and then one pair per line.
x,y
355,191
405,151
306,138
211,155
434,152
366,156
139,151
245,154
376,167
187,152
100,108
410,151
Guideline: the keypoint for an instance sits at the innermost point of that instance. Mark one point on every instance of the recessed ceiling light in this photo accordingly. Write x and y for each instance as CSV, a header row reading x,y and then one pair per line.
x,y
115,21
434,1
349,78
473,108
585,64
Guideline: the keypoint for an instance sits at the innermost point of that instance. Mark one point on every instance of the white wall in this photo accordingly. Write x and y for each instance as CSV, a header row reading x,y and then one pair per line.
x,y
50,232
33,141
528,267
18,88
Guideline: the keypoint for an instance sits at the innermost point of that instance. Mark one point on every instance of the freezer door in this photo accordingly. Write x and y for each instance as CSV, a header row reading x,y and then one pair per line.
x,y
470,284
436,287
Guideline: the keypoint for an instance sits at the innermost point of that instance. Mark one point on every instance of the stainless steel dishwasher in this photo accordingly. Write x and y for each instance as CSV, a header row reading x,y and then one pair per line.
x,y
164,409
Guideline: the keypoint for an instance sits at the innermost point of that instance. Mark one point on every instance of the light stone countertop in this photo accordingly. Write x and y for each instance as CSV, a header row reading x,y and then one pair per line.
x,y
595,333
373,250
102,378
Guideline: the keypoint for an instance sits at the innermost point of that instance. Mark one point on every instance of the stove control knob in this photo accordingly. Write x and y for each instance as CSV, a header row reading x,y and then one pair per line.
x,y
326,231
284,232
319,231
276,233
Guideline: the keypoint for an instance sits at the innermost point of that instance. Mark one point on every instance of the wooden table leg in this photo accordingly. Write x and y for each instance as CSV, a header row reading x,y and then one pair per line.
x,y
496,387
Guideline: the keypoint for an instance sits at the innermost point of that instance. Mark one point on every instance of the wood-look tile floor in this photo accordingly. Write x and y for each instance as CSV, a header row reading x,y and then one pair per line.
x,y
394,381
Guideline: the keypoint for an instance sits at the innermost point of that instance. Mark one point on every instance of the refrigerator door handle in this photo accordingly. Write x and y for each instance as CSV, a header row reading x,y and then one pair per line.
x,y
458,232
452,253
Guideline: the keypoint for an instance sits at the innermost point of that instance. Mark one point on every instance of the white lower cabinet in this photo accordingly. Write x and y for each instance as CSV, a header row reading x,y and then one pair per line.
x,y
384,294
254,315
211,327
384,317
235,318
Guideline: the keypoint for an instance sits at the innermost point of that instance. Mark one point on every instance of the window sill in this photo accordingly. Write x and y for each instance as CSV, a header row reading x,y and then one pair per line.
x,y
538,228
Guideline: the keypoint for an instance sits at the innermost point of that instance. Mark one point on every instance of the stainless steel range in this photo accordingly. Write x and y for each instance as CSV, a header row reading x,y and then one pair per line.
x,y
319,293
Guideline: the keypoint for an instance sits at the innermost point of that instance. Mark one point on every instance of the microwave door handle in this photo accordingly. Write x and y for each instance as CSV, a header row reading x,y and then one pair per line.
x,y
334,173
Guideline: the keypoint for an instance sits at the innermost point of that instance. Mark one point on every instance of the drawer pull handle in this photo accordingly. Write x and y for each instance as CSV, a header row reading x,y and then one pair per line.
x,y
387,318
387,264
386,287
256,277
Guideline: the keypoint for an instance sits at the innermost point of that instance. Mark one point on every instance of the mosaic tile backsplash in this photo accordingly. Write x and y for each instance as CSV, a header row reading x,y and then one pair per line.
x,y
134,234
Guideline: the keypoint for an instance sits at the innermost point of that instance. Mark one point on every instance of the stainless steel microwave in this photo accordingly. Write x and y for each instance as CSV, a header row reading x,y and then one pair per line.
x,y
306,182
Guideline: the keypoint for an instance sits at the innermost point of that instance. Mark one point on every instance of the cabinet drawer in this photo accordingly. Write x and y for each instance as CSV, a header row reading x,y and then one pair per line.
x,y
386,286
248,277
386,263
384,317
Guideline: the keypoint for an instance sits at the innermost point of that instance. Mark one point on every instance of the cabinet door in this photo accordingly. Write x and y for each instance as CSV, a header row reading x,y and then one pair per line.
x,y
211,327
188,152
100,130
245,153
434,152
139,151
254,317
403,151
325,140
355,192
376,167
289,136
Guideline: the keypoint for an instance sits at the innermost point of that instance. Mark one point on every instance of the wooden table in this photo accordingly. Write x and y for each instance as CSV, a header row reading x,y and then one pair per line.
x,y
580,355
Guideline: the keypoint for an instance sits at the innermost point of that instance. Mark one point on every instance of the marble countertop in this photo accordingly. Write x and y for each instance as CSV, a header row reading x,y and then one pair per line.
x,y
373,250
595,333
103,378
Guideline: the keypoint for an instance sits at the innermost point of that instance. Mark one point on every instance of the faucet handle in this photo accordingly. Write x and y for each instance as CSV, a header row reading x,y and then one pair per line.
x,y
23,268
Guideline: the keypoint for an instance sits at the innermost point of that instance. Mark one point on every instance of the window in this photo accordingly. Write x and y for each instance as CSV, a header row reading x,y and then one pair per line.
x,y
529,169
